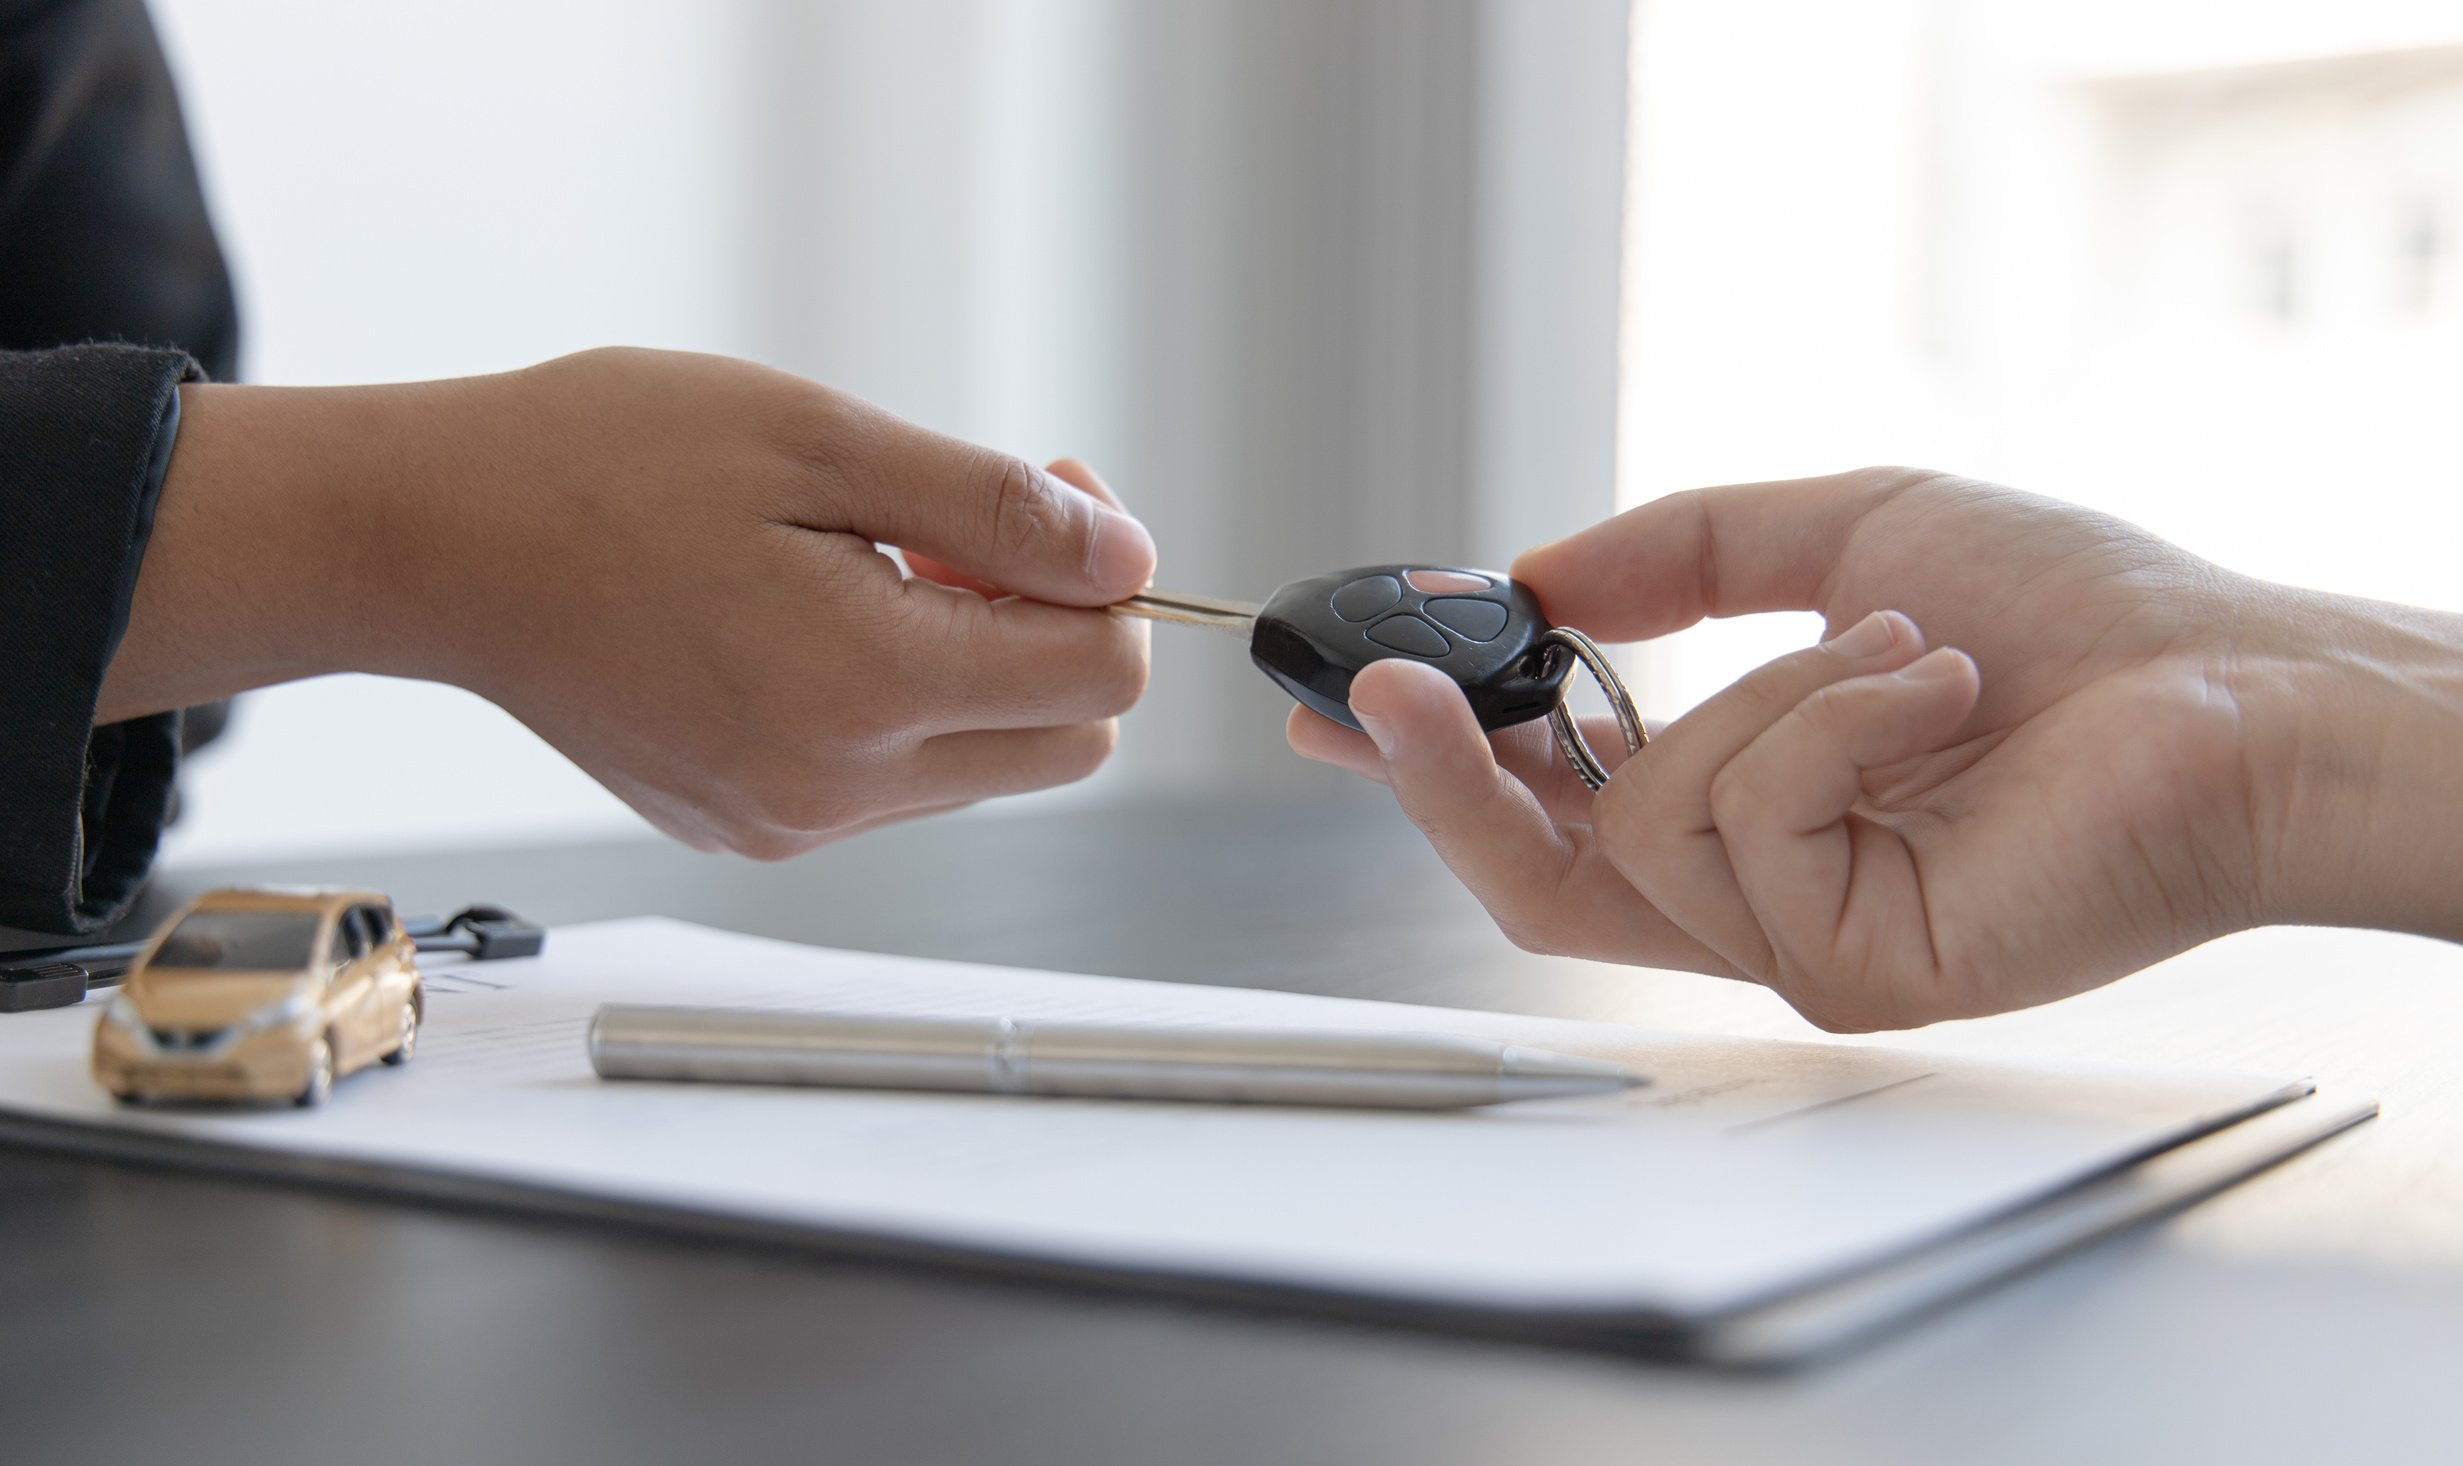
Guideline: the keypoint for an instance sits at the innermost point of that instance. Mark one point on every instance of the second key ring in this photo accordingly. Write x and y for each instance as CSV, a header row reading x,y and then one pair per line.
x,y
1586,764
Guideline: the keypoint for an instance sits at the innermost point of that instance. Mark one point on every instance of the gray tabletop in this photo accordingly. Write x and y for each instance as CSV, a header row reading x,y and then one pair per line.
x,y
2314,1313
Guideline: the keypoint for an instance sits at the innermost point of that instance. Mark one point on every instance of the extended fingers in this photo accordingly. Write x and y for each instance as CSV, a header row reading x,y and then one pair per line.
x,y
1013,663
1543,883
1655,818
979,658
986,763
941,773
1840,898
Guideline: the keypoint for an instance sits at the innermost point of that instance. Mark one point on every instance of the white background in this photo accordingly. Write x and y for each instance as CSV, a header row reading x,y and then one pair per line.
x,y
2029,243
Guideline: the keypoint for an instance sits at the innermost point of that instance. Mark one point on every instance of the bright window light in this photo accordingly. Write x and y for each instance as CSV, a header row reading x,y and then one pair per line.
x,y
2193,263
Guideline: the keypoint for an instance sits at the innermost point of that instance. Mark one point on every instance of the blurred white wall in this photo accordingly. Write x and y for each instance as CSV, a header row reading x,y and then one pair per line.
x,y
2196,262
1315,282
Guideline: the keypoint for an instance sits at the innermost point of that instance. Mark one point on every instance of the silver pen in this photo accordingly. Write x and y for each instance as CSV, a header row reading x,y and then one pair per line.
x,y
1413,1071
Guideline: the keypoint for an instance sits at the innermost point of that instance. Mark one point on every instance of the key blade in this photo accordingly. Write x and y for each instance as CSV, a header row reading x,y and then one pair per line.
x,y
1232,618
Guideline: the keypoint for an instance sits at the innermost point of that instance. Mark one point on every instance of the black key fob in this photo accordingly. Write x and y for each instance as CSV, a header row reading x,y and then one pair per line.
x,y
1476,626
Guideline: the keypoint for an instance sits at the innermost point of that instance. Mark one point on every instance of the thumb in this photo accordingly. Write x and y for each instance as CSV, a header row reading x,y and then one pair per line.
x,y
1705,552
1000,520
1069,470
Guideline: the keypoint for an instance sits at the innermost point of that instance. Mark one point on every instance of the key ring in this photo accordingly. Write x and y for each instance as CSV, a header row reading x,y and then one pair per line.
x,y
1586,764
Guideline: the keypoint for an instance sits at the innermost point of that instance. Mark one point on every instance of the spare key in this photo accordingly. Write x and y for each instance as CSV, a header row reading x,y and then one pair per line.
x,y
1477,627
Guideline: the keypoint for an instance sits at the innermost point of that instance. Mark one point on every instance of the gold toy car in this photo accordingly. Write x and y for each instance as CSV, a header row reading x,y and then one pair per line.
x,y
262,995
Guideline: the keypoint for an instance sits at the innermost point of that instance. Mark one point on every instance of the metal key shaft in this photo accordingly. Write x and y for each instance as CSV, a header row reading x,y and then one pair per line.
x,y
1232,618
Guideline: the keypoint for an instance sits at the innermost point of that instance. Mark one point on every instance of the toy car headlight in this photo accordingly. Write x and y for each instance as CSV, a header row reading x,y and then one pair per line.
x,y
290,1010
122,1014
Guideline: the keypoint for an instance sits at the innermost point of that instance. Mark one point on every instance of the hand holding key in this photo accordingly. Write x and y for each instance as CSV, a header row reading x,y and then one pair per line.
x,y
666,565
2115,751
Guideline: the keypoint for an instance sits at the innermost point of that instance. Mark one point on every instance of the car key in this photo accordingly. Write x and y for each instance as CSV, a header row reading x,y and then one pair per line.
x,y
1480,628
1312,636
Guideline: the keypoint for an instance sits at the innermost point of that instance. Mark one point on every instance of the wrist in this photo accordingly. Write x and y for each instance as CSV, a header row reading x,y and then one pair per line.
x,y
2357,772
276,552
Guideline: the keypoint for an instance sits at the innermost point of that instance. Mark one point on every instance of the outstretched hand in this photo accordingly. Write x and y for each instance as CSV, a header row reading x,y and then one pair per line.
x,y
668,565
2019,765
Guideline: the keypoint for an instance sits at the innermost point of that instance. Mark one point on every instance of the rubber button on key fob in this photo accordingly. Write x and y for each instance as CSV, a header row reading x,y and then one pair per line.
x,y
1478,620
1368,597
1410,634
1314,635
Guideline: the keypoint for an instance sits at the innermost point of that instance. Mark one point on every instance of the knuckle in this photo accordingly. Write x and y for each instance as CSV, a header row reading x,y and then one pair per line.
x,y
1089,747
591,358
1020,506
1843,1000
882,699
1535,937
1826,714
1065,756
1829,1019
1101,742
836,441
1731,791
813,812
1883,483
1124,667
1614,818
884,719
771,845
1890,477
875,713
1826,1010
798,790
1769,690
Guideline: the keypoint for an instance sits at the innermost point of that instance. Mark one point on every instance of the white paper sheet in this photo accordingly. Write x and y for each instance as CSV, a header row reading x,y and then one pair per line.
x,y
1748,1169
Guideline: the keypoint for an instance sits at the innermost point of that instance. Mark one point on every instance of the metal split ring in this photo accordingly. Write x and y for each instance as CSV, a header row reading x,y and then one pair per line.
x,y
1586,764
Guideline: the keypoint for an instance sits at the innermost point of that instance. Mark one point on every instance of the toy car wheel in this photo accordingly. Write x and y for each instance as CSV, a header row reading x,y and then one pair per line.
x,y
409,1039
320,1075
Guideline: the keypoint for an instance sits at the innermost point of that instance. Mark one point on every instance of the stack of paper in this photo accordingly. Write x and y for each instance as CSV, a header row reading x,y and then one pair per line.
x,y
1758,1200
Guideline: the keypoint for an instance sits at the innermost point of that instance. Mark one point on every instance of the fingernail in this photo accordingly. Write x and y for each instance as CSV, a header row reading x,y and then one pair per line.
x,y
1379,732
1124,554
1867,638
1938,665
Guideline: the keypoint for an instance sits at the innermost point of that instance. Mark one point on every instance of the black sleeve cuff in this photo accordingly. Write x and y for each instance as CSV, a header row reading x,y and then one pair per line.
x,y
85,436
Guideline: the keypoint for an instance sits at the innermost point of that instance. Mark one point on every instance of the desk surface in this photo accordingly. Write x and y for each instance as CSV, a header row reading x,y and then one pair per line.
x,y
2315,1313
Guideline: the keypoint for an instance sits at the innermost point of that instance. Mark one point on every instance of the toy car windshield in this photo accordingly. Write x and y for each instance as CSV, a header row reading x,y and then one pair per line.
x,y
239,941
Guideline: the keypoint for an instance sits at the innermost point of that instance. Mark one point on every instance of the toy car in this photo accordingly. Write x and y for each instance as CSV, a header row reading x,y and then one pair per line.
x,y
262,995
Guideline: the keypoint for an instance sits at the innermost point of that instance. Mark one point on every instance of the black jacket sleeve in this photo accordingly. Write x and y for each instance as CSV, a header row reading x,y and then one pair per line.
x,y
84,435
104,238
